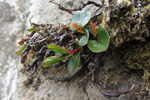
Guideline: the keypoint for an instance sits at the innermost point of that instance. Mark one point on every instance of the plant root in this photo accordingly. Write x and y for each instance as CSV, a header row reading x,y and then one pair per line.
x,y
113,94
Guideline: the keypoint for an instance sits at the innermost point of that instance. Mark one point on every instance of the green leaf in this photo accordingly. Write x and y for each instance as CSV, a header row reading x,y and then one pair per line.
x,y
81,17
57,49
95,46
73,62
103,37
52,60
31,30
20,50
83,41
102,43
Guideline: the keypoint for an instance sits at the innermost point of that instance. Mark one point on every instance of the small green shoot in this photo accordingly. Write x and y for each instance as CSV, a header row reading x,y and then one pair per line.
x,y
20,50
32,29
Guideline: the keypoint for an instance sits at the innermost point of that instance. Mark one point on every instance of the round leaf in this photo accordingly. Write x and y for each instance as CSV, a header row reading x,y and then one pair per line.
x,y
102,43
95,46
73,62
83,41
52,60
81,17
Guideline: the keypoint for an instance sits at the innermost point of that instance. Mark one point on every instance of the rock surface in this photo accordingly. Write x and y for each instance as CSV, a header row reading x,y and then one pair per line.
x,y
14,19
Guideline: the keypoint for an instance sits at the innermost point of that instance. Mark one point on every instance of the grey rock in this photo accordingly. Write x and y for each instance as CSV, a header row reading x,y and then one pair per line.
x,y
14,20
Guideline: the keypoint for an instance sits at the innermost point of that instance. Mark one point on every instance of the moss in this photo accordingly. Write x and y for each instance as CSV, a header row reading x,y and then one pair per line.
x,y
146,85
138,56
123,25
135,54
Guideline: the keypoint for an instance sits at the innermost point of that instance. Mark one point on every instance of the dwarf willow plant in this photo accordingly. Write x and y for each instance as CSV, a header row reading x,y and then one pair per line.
x,y
97,42
79,23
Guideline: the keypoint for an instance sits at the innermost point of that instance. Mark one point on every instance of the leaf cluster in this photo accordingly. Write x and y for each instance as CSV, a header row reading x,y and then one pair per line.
x,y
94,37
